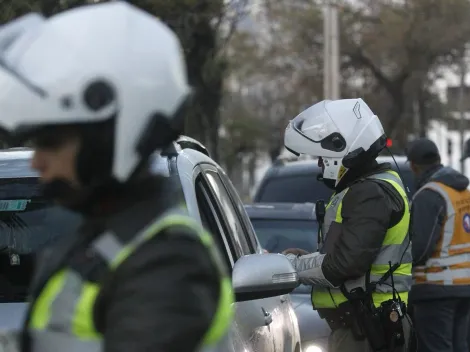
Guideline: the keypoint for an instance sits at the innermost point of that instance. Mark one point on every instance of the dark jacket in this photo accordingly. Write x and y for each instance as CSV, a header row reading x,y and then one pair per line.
x,y
428,217
369,209
163,297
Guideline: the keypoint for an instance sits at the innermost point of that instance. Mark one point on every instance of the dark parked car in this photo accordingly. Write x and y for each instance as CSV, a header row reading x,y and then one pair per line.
x,y
279,226
27,224
296,181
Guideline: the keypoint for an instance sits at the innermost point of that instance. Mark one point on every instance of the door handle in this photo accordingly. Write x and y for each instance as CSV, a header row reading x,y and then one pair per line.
x,y
268,318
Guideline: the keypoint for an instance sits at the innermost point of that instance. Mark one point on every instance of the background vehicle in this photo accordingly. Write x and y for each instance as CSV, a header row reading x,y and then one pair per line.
x,y
265,320
280,226
27,224
296,181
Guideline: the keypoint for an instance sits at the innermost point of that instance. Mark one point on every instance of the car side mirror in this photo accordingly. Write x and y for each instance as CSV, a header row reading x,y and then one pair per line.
x,y
257,276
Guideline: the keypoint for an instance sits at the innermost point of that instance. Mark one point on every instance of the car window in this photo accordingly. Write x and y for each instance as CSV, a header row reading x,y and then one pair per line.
x,y
278,235
26,228
303,188
236,228
241,212
293,189
211,220
28,224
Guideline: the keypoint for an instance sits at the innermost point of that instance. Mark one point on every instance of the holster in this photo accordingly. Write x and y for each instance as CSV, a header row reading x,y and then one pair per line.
x,y
343,316
368,320
371,323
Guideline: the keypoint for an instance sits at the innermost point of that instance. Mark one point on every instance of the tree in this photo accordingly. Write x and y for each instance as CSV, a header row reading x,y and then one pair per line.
x,y
278,80
400,43
242,138
10,9
390,50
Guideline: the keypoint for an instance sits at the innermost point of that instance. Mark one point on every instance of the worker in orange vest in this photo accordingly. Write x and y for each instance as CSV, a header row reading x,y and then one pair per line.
x,y
440,294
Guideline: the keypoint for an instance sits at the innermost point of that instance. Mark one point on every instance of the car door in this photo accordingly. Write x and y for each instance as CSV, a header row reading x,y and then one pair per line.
x,y
262,319
250,317
284,327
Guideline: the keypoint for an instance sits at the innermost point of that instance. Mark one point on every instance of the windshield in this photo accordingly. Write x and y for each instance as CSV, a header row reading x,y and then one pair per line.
x,y
293,189
28,223
306,189
278,235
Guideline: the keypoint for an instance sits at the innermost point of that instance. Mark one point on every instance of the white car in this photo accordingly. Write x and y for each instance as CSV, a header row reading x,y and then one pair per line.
x,y
265,320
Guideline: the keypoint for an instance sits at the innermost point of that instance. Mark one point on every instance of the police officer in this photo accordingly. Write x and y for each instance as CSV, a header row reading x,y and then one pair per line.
x,y
441,251
365,228
96,90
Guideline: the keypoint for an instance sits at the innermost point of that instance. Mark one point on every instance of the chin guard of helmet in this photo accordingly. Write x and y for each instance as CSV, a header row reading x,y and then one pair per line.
x,y
163,130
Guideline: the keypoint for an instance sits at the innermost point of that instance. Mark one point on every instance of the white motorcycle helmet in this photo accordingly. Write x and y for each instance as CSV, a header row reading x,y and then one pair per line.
x,y
344,133
103,64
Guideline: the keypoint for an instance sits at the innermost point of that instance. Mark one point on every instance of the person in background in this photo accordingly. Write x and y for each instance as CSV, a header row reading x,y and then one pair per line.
x,y
440,294
96,90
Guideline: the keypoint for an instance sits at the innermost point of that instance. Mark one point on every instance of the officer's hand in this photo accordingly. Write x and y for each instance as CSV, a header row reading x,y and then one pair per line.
x,y
295,251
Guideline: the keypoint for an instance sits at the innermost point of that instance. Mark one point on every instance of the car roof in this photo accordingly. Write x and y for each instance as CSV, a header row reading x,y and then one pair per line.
x,y
309,166
16,153
16,162
281,211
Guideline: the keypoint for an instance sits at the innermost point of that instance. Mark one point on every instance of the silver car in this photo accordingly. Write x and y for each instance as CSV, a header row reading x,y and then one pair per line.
x,y
265,320
280,226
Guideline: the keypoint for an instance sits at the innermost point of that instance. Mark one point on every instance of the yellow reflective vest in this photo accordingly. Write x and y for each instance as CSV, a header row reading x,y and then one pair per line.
x,y
395,247
62,315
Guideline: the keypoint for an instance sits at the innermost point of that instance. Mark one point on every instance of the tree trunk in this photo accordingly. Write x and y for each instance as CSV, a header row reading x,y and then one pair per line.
x,y
398,112
423,116
252,171
237,175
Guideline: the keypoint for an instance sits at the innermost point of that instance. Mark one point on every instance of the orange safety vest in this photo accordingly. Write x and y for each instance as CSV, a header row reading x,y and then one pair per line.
x,y
450,262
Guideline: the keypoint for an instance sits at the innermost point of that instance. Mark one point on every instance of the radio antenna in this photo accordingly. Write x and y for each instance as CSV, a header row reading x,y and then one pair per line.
x,y
393,283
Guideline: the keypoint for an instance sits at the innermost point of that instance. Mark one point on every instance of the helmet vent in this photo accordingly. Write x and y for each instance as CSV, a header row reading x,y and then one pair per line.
x,y
66,102
98,95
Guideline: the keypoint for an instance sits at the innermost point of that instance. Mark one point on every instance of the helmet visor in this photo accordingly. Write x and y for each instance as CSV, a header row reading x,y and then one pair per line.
x,y
315,122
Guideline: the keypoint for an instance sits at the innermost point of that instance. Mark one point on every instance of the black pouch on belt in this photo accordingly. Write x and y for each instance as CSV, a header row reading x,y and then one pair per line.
x,y
372,323
368,319
392,314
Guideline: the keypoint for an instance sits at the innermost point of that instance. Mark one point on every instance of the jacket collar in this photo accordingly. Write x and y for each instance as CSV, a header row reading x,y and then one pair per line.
x,y
356,174
425,177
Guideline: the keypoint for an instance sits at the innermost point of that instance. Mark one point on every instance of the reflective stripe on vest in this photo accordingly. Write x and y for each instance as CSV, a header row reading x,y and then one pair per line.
x,y
450,262
62,316
394,246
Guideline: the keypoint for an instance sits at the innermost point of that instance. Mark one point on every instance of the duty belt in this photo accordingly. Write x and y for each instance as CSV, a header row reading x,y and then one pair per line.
x,y
340,317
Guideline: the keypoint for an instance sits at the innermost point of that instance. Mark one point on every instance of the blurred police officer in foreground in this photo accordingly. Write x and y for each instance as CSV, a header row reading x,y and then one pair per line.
x,y
96,90
362,274
441,251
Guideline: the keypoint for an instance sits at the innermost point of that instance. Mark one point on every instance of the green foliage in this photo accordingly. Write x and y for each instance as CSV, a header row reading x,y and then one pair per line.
x,y
193,21
243,133
390,53
400,44
14,8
